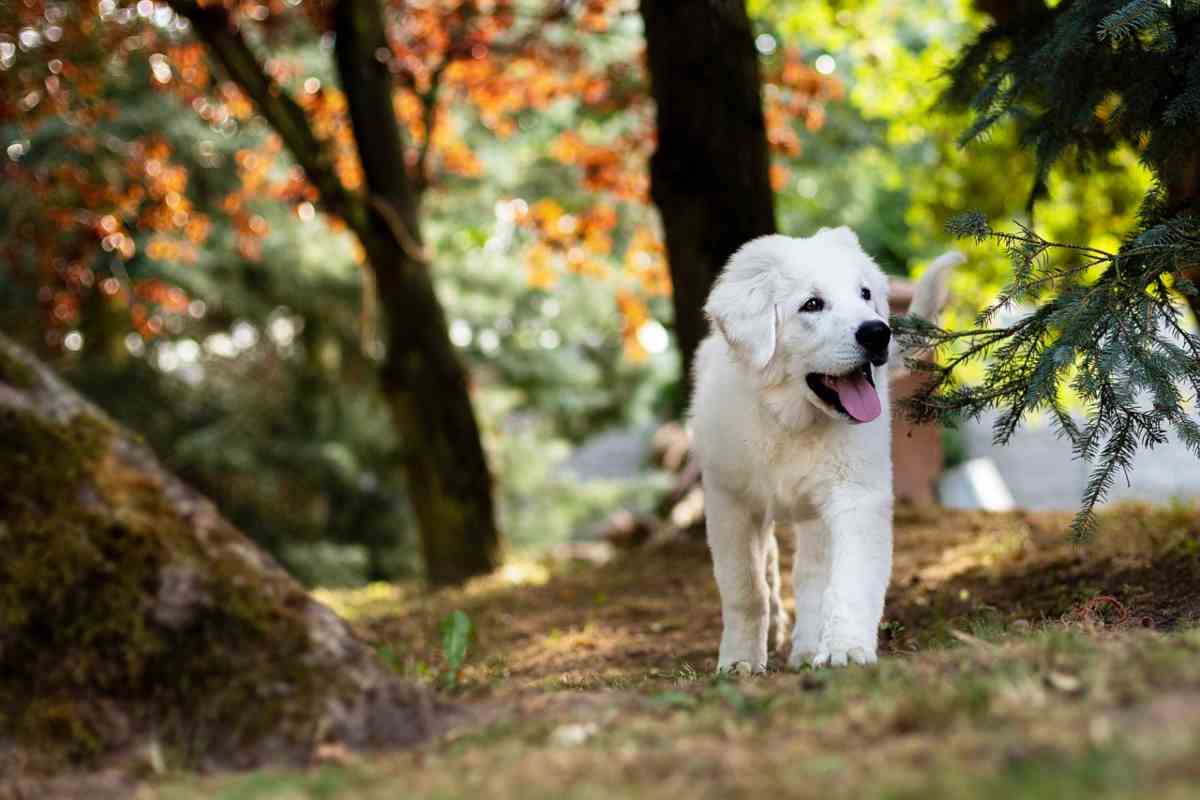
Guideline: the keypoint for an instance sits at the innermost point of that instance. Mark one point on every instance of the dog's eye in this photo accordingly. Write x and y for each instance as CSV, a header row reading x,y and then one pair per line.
x,y
813,304
866,293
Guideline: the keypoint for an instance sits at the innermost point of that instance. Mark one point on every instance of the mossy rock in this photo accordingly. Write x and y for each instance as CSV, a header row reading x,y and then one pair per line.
x,y
131,611
16,370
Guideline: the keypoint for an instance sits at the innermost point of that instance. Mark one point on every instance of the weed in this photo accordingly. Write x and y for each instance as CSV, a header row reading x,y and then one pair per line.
x,y
388,656
456,638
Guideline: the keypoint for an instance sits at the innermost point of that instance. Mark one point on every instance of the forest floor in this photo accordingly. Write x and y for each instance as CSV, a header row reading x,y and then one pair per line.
x,y
1014,664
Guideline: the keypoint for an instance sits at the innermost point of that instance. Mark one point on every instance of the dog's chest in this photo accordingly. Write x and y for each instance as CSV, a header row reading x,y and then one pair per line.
x,y
795,468
798,471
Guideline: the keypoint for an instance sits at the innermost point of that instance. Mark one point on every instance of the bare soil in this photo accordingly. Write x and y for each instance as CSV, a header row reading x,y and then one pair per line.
x,y
653,611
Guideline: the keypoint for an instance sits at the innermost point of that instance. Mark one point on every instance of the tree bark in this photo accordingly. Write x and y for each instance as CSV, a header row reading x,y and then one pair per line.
x,y
449,483
134,613
426,385
709,175
1182,184
1005,11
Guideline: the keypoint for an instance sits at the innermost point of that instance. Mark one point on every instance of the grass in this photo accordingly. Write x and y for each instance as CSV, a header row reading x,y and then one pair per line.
x,y
1003,676
1120,718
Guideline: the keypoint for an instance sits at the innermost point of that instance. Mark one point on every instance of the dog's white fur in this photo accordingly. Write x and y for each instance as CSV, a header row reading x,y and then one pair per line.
x,y
775,456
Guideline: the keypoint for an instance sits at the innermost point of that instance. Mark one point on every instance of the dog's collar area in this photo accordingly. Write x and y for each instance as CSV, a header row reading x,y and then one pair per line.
x,y
826,388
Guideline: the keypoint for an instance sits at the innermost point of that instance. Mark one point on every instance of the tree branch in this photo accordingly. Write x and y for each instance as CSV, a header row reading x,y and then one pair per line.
x,y
213,25
429,101
362,55
455,50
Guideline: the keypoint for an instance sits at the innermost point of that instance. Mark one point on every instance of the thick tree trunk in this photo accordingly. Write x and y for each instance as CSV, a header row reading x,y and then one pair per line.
x,y
1182,184
710,172
1005,11
131,612
1193,300
449,485
448,480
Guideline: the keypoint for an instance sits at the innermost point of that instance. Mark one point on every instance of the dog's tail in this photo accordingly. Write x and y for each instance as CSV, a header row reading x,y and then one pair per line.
x,y
933,288
930,294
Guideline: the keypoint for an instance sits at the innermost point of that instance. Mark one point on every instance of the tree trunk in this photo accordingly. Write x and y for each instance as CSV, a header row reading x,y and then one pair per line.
x,y
426,385
448,481
1005,11
1182,184
710,172
131,612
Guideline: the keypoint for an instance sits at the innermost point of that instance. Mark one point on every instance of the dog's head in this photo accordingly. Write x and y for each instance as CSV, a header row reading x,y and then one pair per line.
x,y
811,311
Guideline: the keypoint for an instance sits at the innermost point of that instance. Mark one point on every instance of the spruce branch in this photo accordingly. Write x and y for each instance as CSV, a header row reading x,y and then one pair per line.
x,y
1129,19
1117,342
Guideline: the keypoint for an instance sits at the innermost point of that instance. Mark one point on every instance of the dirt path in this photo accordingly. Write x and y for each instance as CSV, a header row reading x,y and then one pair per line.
x,y
645,617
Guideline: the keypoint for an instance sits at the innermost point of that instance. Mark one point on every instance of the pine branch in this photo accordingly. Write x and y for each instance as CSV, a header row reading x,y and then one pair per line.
x,y
1117,455
1130,19
1116,341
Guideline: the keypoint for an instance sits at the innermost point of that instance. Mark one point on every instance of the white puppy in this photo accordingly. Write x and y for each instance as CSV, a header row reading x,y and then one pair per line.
x,y
792,428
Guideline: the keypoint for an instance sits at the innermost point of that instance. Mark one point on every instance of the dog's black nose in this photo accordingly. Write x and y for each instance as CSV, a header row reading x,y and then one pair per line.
x,y
874,337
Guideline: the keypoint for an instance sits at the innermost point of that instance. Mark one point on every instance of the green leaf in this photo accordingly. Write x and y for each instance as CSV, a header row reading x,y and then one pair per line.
x,y
388,656
456,636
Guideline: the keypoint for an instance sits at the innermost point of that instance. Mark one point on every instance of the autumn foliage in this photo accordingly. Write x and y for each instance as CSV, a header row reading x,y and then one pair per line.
x,y
460,66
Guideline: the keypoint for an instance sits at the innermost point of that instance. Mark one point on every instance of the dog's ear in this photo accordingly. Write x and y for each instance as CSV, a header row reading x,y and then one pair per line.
x,y
843,236
742,304
880,291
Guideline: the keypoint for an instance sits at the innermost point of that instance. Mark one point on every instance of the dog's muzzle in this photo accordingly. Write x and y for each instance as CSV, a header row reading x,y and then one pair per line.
x,y
874,337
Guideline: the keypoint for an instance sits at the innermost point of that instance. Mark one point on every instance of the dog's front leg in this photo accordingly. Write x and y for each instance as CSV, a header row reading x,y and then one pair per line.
x,y
739,552
860,526
810,578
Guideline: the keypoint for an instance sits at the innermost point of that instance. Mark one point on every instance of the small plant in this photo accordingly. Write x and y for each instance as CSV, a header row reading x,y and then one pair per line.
x,y
456,638
388,656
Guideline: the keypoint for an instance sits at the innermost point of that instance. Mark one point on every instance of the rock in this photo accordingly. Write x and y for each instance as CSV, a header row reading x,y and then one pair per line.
x,y
976,484
132,612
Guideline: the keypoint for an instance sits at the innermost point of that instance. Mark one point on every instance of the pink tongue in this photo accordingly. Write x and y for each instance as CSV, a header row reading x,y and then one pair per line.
x,y
858,396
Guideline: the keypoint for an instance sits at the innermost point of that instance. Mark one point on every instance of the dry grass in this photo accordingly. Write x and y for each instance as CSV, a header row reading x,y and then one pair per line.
x,y
1005,676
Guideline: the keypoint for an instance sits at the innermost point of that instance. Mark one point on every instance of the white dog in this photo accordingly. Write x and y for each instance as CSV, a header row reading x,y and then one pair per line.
x,y
792,428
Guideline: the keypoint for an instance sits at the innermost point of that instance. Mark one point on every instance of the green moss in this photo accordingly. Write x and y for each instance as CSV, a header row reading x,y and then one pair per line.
x,y
14,371
83,661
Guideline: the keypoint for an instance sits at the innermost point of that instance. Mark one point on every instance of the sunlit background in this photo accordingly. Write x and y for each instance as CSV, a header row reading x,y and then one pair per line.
x,y
160,247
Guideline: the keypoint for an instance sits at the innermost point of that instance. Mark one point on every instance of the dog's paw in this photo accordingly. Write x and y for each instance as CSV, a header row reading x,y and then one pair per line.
x,y
841,656
741,669
800,657
777,635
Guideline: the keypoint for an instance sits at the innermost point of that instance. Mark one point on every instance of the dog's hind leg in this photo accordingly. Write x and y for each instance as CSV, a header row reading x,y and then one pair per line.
x,y
777,632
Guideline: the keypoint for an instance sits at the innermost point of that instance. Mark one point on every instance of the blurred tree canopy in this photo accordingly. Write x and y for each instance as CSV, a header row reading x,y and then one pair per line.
x,y
123,251
165,249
